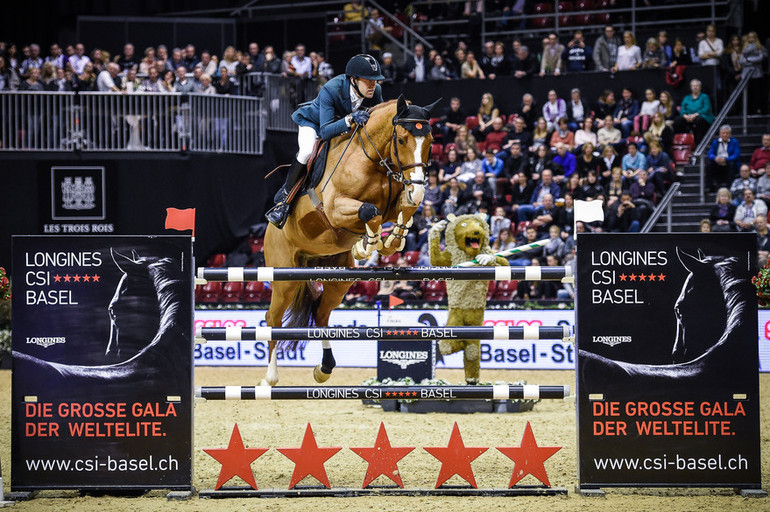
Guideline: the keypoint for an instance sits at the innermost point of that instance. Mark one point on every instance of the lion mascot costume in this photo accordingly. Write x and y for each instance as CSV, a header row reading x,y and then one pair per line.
x,y
466,238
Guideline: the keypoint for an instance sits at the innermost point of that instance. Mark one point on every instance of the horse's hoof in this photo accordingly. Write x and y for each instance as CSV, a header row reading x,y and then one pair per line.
x,y
269,381
319,375
357,252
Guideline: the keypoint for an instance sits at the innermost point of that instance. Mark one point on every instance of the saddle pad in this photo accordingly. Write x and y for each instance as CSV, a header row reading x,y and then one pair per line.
x,y
318,167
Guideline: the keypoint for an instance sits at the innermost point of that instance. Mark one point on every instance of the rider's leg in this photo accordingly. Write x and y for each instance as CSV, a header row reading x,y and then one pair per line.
x,y
306,138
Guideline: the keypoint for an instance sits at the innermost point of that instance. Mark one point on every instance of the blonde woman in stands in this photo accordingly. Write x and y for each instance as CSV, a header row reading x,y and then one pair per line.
x,y
471,68
148,61
487,113
229,60
464,141
667,107
540,135
629,55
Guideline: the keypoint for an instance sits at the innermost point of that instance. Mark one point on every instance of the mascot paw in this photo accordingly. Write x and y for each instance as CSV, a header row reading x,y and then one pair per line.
x,y
439,226
485,259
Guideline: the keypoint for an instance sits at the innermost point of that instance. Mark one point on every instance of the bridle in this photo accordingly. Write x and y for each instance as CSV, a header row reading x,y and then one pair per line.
x,y
398,174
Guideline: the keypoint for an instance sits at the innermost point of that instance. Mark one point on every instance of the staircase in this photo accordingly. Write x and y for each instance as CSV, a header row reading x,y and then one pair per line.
x,y
687,209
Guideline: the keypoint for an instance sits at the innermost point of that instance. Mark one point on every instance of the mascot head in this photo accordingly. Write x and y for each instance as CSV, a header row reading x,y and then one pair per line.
x,y
468,234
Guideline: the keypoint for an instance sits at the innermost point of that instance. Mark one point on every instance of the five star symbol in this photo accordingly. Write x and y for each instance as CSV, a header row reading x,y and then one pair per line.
x,y
383,459
236,460
642,277
76,278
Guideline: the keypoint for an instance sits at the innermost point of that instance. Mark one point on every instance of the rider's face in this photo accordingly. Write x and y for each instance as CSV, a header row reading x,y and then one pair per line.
x,y
366,87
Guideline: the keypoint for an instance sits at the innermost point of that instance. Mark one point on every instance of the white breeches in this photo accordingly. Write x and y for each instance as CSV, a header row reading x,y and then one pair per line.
x,y
306,138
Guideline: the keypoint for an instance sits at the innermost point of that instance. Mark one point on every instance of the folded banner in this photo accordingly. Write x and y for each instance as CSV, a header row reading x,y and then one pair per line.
x,y
180,220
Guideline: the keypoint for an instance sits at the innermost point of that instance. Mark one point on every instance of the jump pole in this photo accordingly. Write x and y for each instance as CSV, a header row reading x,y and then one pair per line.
x,y
394,333
273,274
494,392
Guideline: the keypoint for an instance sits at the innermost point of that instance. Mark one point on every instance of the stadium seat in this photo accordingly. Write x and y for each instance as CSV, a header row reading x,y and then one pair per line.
x,y
471,122
216,260
436,152
684,139
505,290
511,119
253,291
542,22
371,288
210,293
449,146
543,8
257,244
481,146
583,19
566,21
522,226
682,155
491,289
389,261
411,257
232,292
434,291
565,7
584,5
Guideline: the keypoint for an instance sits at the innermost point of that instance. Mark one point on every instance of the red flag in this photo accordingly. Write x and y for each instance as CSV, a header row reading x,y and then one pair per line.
x,y
180,219
394,301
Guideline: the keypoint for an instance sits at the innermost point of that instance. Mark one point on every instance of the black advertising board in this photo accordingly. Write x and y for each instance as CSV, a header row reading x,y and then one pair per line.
x,y
398,360
668,383
102,379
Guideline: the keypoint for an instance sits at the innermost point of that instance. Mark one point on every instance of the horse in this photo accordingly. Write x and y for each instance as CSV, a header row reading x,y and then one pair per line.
x,y
704,344
372,176
146,334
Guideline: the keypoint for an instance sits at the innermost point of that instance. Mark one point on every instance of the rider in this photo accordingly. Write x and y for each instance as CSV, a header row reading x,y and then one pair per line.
x,y
334,111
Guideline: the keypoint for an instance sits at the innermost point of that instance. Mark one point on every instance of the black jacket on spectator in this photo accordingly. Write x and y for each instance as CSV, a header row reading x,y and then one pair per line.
x,y
273,66
516,165
522,195
227,88
390,72
524,138
583,167
620,223
126,64
529,117
486,191
528,65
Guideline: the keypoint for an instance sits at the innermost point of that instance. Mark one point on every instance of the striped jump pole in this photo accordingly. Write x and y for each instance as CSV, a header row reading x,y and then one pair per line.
x,y
394,333
494,392
272,274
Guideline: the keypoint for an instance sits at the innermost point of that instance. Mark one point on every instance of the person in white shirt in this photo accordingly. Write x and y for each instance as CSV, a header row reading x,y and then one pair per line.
x,y
650,106
105,82
80,59
303,65
710,48
629,55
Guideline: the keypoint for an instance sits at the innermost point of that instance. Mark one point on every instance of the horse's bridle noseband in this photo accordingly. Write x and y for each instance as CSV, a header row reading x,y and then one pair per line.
x,y
398,174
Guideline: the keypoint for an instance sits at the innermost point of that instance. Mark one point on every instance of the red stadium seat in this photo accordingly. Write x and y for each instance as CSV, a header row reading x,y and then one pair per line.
x,y
211,292
253,291
389,261
565,7
371,288
584,5
682,155
566,21
542,22
505,290
436,152
603,18
511,119
216,260
481,146
471,122
543,8
411,257
449,147
257,244
583,19
232,292
522,226
491,289
684,139
434,290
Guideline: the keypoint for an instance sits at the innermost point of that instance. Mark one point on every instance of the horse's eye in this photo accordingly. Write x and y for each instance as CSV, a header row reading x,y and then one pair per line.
x,y
401,141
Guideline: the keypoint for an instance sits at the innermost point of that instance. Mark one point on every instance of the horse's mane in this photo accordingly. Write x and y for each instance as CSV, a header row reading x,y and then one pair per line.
x,y
735,291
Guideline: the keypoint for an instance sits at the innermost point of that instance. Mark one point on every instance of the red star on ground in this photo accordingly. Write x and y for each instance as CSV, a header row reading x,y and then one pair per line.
x,y
623,277
632,277
661,277
455,459
309,459
96,278
529,458
67,278
642,277
76,278
57,278
236,460
383,459
86,278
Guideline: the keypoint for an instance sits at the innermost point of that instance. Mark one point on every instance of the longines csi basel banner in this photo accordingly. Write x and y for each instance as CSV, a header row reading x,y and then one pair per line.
x,y
668,388
102,380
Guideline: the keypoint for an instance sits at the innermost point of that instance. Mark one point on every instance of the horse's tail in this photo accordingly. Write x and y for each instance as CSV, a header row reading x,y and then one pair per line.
x,y
301,313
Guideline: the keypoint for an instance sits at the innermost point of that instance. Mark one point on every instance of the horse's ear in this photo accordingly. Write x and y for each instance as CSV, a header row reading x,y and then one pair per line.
x,y
701,255
401,105
124,263
689,262
431,108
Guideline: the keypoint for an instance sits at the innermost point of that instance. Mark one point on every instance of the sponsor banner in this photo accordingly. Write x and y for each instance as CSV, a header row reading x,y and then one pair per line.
x,y
764,340
518,355
667,381
102,380
397,360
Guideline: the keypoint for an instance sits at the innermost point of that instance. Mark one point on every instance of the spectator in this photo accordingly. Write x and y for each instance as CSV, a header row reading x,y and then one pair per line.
x,y
693,50
470,68
87,79
48,76
451,168
244,65
625,112
499,64
272,62
495,137
518,136
196,79
572,186
224,85
526,258
464,140
105,82
763,184
747,212
229,60
161,54
492,167
633,161
710,48
302,64
763,240
723,157
608,161
545,186
182,84
540,135
33,61
679,54
554,109
741,183
577,110
516,164
521,192
526,64
566,160
167,81
452,196
130,83
416,67
418,232
177,59
375,28
389,69
148,61
667,107
99,58
555,246
659,132
753,55
760,157
56,57
5,75
650,106
209,62
659,168
545,215
528,111
562,135
477,194
623,216
587,161
586,135
486,59
642,190
487,113
32,83
257,58
152,82
578,54
629,55
439,71
452,119
667,50
606,49
128,59
461,55
551,63
722,212
504,241
470,166
605,106
654,56
615,187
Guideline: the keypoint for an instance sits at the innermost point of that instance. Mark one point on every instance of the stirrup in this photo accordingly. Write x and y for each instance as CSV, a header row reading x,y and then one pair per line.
x,y
278,214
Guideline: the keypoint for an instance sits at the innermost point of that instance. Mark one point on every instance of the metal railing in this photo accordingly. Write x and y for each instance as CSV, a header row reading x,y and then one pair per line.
x,y
280,96
40,121
144,121
663,206
700,154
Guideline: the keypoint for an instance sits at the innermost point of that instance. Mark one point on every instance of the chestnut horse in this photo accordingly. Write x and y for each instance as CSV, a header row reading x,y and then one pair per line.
x,y
373,175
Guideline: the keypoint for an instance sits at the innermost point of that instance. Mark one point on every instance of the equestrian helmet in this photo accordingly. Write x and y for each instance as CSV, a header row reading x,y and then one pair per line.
x,y
364,66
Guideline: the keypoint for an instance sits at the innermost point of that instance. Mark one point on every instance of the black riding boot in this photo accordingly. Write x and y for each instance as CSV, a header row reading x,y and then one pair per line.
x,y
280,212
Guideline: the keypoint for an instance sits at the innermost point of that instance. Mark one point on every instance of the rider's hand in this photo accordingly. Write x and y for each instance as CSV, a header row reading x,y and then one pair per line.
x,y
359,117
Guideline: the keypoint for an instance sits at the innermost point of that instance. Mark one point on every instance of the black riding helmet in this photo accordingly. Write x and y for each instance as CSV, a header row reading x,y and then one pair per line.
x,y
364,66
